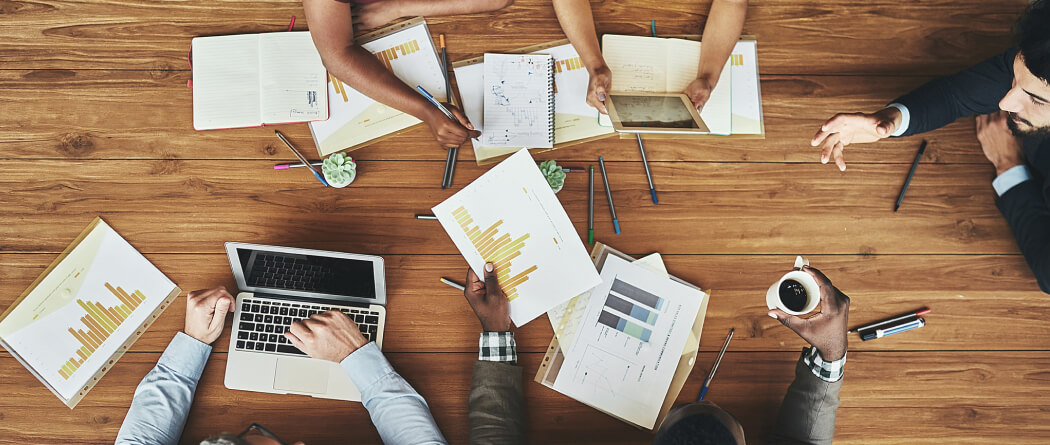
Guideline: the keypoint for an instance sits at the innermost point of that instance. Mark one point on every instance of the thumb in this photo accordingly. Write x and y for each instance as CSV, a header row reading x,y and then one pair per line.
x,y
492,289
883,129
218,318
792,322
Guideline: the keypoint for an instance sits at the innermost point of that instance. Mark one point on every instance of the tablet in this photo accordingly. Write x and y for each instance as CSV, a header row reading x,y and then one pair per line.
x,y
668,113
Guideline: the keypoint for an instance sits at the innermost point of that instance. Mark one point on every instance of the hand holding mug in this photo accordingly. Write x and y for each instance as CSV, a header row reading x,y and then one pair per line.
x,y
826,330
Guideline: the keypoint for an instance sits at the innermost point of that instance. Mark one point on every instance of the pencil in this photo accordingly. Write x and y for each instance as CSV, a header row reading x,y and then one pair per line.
x,y
590,208
426,217
911,173
452,283
648,174
301,158
608,193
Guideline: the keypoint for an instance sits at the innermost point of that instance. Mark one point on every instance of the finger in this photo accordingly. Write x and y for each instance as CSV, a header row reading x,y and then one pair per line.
x,y
492,289
294,340
218,318
819,137
836,123
792,322
474,284
300,329
462,118
817,274
827,147
837,152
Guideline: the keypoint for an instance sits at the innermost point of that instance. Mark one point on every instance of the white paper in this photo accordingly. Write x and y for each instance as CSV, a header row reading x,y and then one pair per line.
x,y
540,258
518,109
624,356
293,78
747,96
226,82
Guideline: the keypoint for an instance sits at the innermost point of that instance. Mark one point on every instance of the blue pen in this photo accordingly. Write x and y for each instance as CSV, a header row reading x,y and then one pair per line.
x,y
608,193
906,326
645,162
711,375
430,98
301,158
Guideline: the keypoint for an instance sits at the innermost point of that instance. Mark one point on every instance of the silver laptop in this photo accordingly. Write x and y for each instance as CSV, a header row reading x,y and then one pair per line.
x,y
279,285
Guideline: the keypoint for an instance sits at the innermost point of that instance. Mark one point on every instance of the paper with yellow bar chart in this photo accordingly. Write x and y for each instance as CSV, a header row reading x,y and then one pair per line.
x,y
510,217
80,314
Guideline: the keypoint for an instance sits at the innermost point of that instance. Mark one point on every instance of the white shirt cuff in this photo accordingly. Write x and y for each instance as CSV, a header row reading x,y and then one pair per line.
x,y
1006,181
905,118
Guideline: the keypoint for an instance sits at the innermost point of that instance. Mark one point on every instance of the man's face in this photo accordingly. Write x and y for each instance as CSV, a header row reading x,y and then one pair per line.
x,y
1027,102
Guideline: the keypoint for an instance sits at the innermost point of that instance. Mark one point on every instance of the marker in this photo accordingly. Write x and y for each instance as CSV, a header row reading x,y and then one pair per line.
x,y
890,330
918,313
911,173
301,158
608,193
648,174
590,208
714,368
452,283
426,217
294,165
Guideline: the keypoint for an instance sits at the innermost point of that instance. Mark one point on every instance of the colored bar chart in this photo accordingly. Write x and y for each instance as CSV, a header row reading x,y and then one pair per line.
x,y
635,294
386,55
635,311
626,326
736,60
101,322
496,248
567,64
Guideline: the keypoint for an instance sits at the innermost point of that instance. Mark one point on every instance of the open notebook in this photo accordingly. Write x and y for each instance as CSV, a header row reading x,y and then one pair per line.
x,y
257,79
519,101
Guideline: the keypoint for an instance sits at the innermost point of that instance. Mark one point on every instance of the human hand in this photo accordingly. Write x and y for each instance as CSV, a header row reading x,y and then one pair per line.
x,y
998,143
848,128
826,330
206,313
699,91
599,87
328,336
450,133
489,302
374,15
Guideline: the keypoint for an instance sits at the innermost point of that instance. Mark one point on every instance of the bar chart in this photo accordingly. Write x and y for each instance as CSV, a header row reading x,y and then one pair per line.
x,y
496,250
631,310
101,322
404,49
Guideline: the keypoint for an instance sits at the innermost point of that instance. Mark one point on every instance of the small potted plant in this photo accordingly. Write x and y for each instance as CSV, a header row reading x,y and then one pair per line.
x,y
554,174
339,170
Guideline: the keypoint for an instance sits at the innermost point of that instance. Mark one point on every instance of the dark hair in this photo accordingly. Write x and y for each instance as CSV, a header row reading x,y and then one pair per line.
x,y
1033,36
698,429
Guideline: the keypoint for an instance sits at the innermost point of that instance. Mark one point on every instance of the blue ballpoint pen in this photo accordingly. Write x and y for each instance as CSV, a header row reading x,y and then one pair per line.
x,y
437,104
301,158
711,375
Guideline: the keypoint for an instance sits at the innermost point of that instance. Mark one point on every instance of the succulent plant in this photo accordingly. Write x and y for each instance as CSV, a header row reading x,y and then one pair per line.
x,y
339,168
554,173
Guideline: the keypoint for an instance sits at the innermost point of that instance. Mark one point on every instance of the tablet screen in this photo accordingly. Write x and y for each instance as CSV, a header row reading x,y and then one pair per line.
x,y
653,111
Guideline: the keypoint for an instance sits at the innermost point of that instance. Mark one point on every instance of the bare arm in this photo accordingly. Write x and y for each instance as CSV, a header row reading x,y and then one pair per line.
x,y
372,15
577,23
722,31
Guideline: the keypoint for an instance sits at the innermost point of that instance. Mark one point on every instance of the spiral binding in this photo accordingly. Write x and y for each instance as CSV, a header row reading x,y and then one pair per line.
x,y
550,99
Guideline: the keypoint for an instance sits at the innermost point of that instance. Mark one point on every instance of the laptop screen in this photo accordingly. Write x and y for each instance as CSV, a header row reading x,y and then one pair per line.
x,y
306,273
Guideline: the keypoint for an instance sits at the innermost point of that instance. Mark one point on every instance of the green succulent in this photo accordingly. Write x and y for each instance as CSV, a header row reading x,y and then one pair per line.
x,y
554,173
339,168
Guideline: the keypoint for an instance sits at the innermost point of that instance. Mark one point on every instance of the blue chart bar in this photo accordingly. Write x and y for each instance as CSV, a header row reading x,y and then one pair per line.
x,y
635,311
636,294
627,327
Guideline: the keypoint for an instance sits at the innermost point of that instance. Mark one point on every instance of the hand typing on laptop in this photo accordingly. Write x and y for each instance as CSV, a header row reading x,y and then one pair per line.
x,y
328,336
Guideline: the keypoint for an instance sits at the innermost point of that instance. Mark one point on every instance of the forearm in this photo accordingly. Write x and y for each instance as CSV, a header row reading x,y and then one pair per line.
x,y
1026,211
497,402
578,24
163,398
808,412
721,33
431,8
363,72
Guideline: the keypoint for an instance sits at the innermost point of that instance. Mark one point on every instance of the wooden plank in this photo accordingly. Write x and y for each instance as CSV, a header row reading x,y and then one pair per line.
x,y
977,301
999,392
795,36
195,206
89,114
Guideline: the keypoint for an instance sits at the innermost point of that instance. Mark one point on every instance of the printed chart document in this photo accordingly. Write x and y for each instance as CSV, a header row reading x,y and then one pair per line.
x,y
87,307
623,358
257,79
407,50
519,101
747,94
658,65
510,217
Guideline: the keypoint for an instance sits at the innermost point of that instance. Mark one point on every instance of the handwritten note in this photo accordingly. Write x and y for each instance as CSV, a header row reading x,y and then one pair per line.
x,y
518,110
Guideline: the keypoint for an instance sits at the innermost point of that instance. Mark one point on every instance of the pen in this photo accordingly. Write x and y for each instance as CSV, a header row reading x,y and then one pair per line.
x,y
444,66
876,324
448,163
911,173
452,283
648,174
890,330
426,217
608,193
297,164
714,368
590,208
437,104
452,166
301,158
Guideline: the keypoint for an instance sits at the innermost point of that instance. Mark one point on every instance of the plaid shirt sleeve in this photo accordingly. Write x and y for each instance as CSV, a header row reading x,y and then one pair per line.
x,y
498,347
826,371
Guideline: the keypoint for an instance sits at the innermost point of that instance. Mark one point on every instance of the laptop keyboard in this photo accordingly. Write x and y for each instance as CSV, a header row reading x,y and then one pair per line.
x,y
263,323
286,272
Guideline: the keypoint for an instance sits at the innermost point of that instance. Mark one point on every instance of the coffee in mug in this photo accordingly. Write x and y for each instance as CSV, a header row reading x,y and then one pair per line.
x,y
796,292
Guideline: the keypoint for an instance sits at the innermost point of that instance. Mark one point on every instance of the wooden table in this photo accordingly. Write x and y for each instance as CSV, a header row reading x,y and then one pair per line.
x,y
96,120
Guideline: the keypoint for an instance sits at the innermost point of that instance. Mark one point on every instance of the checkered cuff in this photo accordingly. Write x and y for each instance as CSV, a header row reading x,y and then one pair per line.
x,y
827,371
498,347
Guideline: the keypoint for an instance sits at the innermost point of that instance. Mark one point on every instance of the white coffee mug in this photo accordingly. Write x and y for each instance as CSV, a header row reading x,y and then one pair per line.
x,y
808,283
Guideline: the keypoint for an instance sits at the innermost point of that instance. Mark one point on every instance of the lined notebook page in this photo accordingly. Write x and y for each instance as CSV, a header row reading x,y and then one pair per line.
x,y
226,82
294,81
519,108
637,63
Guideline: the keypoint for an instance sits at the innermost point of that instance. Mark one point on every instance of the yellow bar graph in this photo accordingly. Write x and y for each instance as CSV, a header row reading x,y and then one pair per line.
x,y
497,248
100,321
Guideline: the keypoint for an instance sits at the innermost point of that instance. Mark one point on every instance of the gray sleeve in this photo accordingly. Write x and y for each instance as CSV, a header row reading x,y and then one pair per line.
x,y
807,415
497,405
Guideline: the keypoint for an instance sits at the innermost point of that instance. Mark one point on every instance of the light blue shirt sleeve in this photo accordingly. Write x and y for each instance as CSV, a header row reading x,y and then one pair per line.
x,y
905,118
399,413
1006,181
162,400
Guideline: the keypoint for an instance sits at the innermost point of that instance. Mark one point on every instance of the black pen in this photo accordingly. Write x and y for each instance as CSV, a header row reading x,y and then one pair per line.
x,y
907,182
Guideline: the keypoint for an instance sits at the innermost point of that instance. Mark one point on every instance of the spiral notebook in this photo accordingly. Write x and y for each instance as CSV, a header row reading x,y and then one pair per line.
x,y
519,101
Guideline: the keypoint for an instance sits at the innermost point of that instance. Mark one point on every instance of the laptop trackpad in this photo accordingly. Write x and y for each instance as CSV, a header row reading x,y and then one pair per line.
x,y
299,375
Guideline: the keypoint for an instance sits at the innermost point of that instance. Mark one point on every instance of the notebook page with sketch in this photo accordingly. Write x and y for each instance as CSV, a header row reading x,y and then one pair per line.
x,y
226,82
519,101
293,80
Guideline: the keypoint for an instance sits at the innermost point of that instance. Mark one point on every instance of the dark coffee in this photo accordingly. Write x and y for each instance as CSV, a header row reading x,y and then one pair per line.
x,y
793,295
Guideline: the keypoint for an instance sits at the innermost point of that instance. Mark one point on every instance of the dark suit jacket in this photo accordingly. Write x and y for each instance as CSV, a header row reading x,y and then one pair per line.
x,y
497,404
807,414
978,90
